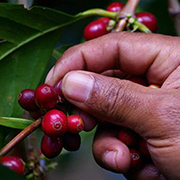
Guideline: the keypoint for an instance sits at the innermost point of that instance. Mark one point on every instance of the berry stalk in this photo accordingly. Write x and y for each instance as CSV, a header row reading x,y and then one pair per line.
x,y
128,9
23,134
96,12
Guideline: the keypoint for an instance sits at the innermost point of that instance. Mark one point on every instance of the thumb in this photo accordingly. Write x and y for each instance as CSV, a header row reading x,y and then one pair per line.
x,y
114,100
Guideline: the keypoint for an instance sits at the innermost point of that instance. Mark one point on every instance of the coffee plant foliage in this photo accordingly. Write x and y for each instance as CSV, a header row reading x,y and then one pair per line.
x,y
31,40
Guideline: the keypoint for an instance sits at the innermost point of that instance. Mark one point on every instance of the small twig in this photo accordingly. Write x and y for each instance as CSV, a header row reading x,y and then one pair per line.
x,y
128,9
23,134
174,11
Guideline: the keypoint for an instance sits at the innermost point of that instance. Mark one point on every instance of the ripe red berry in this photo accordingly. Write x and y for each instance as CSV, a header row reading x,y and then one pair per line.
x,y
136,159
71,142
142,146
105,20
138,79
26,100
54,123
115,7
51,146
45,96
95,29
148,20
14,163
75,124
128,137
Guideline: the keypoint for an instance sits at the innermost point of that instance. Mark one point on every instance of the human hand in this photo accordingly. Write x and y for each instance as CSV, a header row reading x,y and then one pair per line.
x,y
152,113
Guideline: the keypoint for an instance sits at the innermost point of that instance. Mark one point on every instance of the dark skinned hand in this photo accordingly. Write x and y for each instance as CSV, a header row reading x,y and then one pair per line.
x,y
90,82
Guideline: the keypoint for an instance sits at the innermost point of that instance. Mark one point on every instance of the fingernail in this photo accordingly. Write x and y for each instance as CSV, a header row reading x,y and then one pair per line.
x,y
77,86
109,159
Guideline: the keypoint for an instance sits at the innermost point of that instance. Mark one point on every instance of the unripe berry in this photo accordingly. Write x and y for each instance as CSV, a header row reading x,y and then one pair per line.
x,y
71,142
95,29
115,7
155,86
13,163
26,100
148,20
51,146
75,124
54,123
128,137
45,96
136,159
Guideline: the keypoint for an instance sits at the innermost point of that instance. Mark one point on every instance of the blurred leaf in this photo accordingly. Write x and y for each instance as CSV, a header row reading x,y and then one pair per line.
x,y
7,174
17,123
28,38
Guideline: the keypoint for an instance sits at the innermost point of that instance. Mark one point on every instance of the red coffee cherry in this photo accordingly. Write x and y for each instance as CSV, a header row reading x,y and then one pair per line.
x,y
75,124
148,20
14,163
51,146
26,100
45,96
54,123
95,29
128,137
136,159
115,7
71,142
142,147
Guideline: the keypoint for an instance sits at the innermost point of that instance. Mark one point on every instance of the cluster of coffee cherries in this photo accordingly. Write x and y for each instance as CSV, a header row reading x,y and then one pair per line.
x,y
61,130
105,25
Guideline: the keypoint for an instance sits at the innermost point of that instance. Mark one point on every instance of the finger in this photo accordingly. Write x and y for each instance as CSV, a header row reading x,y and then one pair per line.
x,y
109,152
118,101
134,53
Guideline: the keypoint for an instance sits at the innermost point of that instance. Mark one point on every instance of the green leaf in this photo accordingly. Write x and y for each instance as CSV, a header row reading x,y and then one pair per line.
x,y
28,38
17,123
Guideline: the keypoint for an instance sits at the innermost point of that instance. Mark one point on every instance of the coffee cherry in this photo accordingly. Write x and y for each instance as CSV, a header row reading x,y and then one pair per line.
x,y
75,124
95,29
136,159
51,146
115,7
54,123
142,146
138,79
71,142
26,100
14,163
45,96
148,20
128,137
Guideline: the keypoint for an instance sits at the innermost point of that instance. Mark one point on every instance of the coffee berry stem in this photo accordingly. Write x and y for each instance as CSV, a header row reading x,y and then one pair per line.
x,y
137,25
96,12
128,9
23,134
